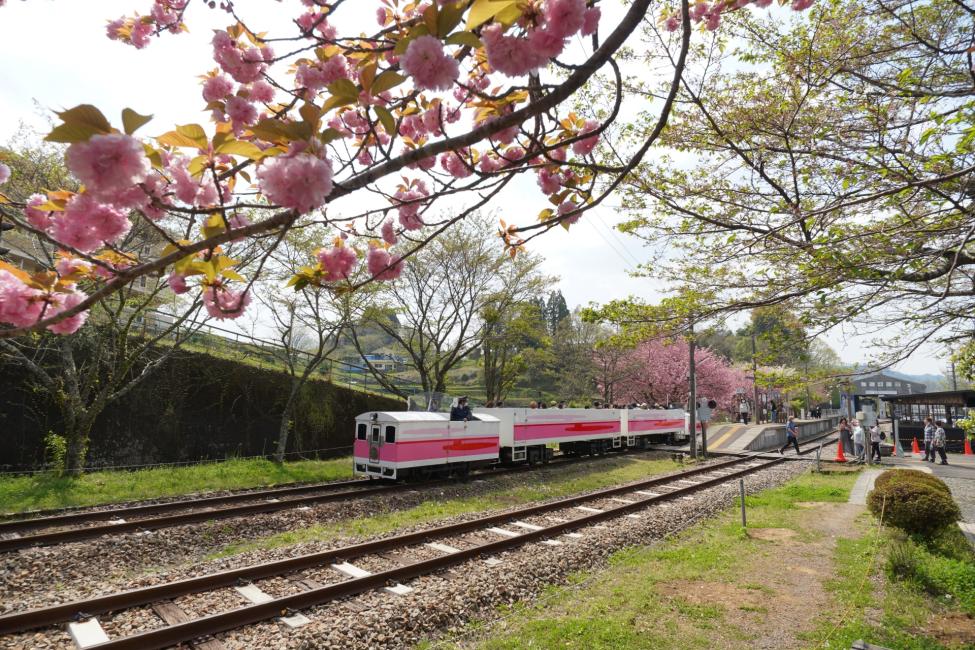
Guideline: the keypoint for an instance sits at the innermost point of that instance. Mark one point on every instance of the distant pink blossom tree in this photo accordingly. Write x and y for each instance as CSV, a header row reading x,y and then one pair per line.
x,y
660,370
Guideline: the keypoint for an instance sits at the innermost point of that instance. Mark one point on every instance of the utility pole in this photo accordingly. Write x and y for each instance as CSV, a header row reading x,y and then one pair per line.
x,y
692,407
755,374
954,377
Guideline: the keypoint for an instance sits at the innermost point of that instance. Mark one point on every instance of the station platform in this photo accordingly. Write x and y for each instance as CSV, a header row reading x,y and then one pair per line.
x,y
735,437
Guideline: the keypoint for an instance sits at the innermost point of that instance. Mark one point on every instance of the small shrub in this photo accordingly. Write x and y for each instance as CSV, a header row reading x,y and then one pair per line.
x,y
911,476
914,507
55,452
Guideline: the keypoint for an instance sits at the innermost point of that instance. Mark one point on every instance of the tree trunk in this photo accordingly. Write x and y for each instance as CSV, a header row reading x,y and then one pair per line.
x,y
76,434
285,427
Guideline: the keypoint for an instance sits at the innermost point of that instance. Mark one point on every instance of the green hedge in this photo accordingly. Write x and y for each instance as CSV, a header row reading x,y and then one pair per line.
x,y
195,407
913,504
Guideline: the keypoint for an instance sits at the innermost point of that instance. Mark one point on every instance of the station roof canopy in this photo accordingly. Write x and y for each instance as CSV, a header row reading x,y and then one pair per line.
x,y
944,398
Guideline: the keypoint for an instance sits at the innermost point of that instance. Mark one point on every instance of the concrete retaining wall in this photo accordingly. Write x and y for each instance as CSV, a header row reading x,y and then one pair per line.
x,y
774,436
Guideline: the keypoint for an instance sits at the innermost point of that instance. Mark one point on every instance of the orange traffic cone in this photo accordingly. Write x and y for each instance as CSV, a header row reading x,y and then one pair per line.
x,y
968,447
915,448
840,458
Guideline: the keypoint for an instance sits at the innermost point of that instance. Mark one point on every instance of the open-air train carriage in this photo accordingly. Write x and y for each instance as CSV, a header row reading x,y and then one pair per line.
x,y
395,445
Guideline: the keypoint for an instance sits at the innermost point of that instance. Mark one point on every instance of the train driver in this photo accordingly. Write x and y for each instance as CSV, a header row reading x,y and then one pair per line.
x,y
462,411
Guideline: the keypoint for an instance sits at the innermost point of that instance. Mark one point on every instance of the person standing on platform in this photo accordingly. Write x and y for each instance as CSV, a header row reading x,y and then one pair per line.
x,y
791,436
858,442
772,411
940,442
845,436
929,430
743,411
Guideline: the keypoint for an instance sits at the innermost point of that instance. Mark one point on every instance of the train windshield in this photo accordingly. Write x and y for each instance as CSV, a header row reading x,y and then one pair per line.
x,y
430,402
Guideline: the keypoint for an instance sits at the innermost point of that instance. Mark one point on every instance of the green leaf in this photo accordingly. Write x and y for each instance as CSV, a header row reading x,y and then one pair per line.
x,y
484,10
79,124
197,165
386,81
344,88
388,122
239,148
131,120
195,133
449,17
469,39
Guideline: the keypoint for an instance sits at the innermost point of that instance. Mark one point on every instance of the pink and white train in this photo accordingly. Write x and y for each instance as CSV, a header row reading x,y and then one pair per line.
x,y
404,444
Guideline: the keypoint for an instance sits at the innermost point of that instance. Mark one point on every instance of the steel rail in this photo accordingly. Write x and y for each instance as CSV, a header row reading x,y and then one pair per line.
x,y
207,513
60,519
50,615
233,619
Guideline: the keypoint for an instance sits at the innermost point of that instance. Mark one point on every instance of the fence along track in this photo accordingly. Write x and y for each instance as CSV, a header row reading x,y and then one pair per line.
x,y
196,628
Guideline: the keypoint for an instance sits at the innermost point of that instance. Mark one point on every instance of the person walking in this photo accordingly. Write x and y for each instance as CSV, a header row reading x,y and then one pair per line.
x,y
845,436
929,430
875,442
791,436
772,410
858,441
940,442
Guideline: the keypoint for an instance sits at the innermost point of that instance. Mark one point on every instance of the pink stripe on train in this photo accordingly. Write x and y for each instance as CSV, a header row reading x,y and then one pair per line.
x,y
451,448
650,425
562,430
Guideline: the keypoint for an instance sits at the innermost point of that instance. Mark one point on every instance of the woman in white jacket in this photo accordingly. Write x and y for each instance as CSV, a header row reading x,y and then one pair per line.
x,y
858,441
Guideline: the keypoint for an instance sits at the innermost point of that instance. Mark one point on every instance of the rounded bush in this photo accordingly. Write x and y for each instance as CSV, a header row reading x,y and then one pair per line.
x,y
913,506
911,476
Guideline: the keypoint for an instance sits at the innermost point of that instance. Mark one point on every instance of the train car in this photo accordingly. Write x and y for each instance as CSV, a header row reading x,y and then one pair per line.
x,y
418,443
402,444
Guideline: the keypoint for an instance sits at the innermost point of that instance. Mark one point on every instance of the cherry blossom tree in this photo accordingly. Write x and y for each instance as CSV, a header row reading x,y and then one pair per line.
x,y
660,370
370,132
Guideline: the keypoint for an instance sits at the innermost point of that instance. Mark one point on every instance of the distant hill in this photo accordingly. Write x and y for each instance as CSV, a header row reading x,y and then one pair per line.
x,y
933,382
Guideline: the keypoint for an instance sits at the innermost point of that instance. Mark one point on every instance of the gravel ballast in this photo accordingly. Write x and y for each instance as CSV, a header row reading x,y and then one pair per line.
x,y
439,603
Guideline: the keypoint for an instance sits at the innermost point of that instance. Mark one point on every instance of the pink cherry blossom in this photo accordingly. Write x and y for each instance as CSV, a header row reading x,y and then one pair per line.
x,y
672,24
546,43
565,208
108,163
241,112
20,305
318,75
313,20
802,5
338,262
549,181
590,21
261,91
141,33
61,302
71,265
4,173
301,182
430,67
37,218
564,17
382,265
244,64
216,88
190,190
454,165
388,232
509,55
223,303
381,15
177,283
86,224
489,163
585,146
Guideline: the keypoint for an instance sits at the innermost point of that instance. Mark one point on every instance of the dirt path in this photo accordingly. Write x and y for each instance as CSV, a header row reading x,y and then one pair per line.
x,y
782,584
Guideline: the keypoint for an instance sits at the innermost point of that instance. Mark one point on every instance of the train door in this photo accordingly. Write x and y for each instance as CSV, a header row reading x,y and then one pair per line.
x,y
375,442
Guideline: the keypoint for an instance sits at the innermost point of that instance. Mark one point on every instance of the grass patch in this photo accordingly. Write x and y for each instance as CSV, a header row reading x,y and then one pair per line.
x,y
548,485
688,592
43,491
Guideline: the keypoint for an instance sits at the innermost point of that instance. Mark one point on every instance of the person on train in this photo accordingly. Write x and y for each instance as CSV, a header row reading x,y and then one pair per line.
x,y
461,412
561,404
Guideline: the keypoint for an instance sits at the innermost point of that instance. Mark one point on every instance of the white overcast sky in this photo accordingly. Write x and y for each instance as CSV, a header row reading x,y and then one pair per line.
x,y
56,55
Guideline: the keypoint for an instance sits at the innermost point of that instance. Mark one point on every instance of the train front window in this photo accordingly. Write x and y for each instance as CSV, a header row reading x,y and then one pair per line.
x,y
361,431
390,434
375,434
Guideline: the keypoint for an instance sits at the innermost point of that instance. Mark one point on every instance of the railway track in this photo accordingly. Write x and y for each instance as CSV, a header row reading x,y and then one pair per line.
x,y
322,577
75,526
